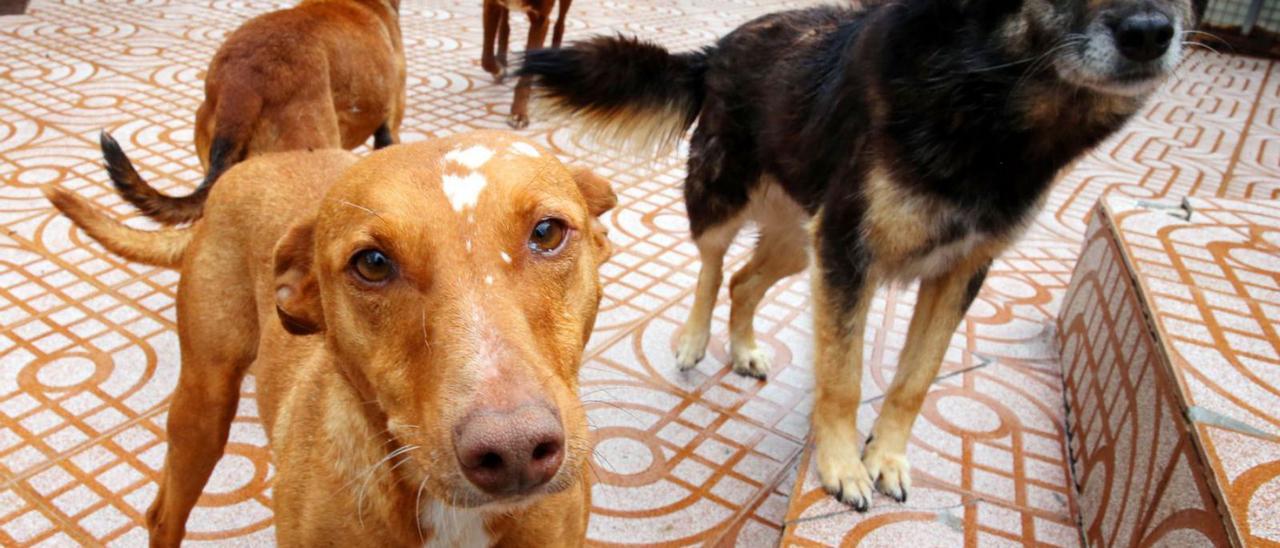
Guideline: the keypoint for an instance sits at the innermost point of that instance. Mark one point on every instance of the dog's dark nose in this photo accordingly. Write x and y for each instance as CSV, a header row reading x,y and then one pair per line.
x,y
1143,36
510,453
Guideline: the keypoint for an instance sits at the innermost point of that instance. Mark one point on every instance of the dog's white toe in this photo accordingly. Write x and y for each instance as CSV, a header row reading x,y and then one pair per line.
x,y
690,350
890,471
844,477
751,362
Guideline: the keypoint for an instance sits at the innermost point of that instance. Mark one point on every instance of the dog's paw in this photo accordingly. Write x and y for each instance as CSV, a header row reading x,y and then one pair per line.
x,y
518,121
691,348
750,361
500,75
889,470
844,477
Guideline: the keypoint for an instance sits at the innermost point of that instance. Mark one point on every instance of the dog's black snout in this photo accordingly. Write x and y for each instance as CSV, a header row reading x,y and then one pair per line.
x,y
1143,36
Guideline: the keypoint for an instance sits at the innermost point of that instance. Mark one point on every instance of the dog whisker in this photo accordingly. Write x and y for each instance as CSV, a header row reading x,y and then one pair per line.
x,y
368,475
615,406
361,208
1201,45
417,508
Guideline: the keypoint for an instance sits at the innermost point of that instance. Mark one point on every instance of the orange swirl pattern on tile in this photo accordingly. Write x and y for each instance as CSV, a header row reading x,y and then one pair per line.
x,y
1140,479
1208,277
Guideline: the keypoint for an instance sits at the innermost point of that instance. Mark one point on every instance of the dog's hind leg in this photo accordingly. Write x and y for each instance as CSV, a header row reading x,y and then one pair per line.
x,y
494,16
712,245
504,37
557,35
519,118
940,305
781,251
715,198
219,340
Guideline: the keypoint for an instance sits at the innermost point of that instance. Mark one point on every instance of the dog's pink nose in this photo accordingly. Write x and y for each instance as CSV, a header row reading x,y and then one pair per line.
x,y
510,453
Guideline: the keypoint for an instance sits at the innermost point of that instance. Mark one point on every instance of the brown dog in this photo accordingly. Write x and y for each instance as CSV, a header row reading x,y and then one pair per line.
x,y
497,28
324,74
416,322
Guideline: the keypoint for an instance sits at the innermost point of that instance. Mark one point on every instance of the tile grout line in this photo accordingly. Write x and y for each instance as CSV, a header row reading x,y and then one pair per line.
x,y
36,470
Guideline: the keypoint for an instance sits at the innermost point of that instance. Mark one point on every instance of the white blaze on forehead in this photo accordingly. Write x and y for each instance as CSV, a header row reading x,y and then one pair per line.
x,y
525,149
472,157
464,190
488,280
505,258
468,246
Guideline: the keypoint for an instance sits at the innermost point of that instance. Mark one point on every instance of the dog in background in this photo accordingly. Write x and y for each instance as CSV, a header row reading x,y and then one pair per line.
x,y
415,321
323,74
906,140
497,28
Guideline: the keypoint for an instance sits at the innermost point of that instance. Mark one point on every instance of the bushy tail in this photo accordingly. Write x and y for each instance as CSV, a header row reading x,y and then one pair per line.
x,y
622,89
162,247
234,119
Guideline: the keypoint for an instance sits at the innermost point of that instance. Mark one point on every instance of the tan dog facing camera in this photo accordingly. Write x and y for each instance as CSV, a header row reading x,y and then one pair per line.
x,y
415,321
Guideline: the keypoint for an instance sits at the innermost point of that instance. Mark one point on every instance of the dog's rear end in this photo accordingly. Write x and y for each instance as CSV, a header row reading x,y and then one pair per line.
x,y
269,89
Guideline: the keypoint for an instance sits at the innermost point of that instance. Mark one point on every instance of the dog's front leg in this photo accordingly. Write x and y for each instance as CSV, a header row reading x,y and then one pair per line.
x,y
842,294
940,305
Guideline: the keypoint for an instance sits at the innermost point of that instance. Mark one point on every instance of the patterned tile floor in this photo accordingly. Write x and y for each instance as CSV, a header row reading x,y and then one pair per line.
x,y
1171,359
88,352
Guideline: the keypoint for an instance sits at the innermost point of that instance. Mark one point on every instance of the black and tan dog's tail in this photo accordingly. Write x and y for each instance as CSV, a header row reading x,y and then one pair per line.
x,y
622,89
234,121
163,247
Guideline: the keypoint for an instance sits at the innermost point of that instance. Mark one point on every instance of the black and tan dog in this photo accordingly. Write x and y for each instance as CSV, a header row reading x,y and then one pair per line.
x,y
323,74
904,140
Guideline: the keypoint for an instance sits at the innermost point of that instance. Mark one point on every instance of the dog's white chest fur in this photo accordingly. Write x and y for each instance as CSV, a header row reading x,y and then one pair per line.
x,y
450,526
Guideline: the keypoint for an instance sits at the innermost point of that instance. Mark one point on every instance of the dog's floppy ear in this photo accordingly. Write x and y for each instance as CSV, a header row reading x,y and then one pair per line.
x,y
600,198
597,191
297,294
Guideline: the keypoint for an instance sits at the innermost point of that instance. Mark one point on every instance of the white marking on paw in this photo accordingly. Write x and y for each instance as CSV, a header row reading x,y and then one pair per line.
x,y
468,246
505,258
472,157
525,149
464,191
488,280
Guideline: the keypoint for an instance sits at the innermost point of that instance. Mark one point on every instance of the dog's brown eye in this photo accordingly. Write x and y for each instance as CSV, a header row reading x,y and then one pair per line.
x,y
373,266
548,235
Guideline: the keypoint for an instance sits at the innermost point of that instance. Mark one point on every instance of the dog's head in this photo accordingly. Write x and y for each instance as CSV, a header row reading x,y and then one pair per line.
x,y
456,283
1115,47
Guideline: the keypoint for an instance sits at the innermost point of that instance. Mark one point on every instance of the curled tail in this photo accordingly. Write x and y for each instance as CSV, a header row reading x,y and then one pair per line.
x,y
622,89
163,247
234,121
